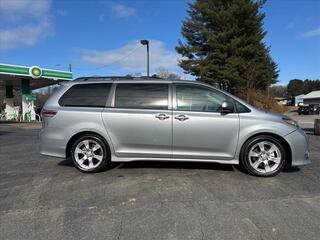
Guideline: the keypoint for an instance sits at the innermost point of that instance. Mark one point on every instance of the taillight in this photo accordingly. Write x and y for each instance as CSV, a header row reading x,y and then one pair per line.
x,y
48,113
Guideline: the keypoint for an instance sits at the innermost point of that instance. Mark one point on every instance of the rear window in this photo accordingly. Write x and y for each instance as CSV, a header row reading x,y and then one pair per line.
x,y
142,96
86,95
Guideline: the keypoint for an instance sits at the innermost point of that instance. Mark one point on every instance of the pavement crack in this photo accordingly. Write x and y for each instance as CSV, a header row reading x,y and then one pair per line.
x,y
200,222
120,228
201,228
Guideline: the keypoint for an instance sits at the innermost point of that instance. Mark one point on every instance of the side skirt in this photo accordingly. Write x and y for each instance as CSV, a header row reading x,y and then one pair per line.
x,y
128,159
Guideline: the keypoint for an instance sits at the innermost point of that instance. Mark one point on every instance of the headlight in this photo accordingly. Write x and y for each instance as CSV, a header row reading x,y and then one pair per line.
x,y
290,122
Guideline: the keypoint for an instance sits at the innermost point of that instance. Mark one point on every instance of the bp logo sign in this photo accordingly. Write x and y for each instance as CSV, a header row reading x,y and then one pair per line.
x,y
35,72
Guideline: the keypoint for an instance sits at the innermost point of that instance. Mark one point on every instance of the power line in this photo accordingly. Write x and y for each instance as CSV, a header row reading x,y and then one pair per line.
x,y
103,66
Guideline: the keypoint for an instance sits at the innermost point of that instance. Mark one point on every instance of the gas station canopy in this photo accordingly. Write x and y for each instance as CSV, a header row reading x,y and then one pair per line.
x,y
12,75
26,79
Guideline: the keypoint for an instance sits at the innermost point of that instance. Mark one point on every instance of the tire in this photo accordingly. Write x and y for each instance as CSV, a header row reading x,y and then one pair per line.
x,y
263,156
90,154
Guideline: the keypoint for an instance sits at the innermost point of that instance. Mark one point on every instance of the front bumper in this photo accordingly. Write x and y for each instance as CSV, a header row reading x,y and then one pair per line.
x,y
298,142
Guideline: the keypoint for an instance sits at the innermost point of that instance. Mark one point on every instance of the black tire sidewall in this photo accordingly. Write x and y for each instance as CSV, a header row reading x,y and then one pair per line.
x,y
105,161
245,152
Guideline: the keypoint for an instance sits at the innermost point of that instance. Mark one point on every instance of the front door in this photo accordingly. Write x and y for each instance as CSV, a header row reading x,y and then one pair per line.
x,y
139,123
200,130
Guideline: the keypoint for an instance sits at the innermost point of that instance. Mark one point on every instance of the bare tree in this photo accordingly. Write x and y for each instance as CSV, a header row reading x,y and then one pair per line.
x,y
164,73
278,91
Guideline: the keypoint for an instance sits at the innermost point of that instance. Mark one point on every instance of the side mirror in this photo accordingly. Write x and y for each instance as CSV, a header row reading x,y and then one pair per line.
x,y
227,107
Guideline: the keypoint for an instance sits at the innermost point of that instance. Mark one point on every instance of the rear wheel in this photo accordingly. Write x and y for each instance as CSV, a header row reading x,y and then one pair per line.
x,y
90,154
263,156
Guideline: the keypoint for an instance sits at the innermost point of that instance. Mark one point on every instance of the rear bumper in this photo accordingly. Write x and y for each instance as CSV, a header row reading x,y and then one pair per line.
x,y
52,143
298,142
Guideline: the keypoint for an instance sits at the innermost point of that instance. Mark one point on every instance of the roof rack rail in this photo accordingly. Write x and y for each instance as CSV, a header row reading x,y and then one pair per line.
x,y
97,78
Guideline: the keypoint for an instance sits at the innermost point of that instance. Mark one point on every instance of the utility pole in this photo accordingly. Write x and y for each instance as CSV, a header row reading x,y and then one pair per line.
x,y
146,42
70,67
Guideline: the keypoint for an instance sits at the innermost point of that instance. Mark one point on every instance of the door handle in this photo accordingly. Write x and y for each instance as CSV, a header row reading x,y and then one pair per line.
x,y
162,116
181,117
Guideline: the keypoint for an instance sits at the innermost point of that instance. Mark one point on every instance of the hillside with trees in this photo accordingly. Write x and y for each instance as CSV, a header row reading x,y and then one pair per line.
x,y
297,87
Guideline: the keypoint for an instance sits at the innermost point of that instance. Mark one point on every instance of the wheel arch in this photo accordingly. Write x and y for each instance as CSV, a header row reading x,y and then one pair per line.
x,y
80,134
278,137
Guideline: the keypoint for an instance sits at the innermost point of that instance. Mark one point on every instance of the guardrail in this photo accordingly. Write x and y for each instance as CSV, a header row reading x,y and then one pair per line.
x,y
16,117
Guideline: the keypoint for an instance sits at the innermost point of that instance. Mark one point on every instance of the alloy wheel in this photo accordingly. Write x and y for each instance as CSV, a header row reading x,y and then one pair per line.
x,y
265,156
88,154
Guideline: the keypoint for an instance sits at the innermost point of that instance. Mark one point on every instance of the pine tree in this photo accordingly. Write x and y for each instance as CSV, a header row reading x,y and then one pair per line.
x,y
295,87
224,44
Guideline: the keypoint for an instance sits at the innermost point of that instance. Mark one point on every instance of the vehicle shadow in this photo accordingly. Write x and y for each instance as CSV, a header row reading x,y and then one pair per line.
x,y
176,165
66,163
288,169
168,165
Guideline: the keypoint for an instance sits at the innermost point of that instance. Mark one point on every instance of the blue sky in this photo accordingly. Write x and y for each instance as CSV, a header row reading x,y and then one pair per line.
x,y
102,37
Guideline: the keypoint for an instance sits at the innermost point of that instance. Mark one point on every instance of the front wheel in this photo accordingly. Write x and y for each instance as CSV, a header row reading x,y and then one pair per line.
x,y
89,154
263,156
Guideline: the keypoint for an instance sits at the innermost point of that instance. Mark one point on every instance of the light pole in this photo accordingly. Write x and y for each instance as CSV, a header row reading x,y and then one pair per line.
x,y
70,66
146,42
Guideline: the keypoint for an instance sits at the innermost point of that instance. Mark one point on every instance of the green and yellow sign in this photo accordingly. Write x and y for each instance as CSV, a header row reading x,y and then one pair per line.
x,y
35,72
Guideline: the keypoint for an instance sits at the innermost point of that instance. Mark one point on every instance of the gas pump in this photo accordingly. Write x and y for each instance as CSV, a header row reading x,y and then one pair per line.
x,y
28,113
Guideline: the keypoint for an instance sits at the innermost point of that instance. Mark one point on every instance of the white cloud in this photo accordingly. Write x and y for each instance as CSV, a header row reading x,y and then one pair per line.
x,y
13,10
291,25
24,22
101,17
27,35
116,10
132,57
61,12
122,11
312,33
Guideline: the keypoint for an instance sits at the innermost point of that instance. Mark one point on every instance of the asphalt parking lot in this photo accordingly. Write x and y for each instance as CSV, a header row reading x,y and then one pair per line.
x,y
46,198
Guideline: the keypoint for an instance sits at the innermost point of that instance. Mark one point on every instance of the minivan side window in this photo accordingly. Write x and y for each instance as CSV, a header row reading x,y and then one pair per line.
x,y
142,96
86,95
191,97
241,108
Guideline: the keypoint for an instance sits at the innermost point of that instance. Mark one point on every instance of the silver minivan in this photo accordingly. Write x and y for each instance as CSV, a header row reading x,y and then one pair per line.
x,y
99,120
